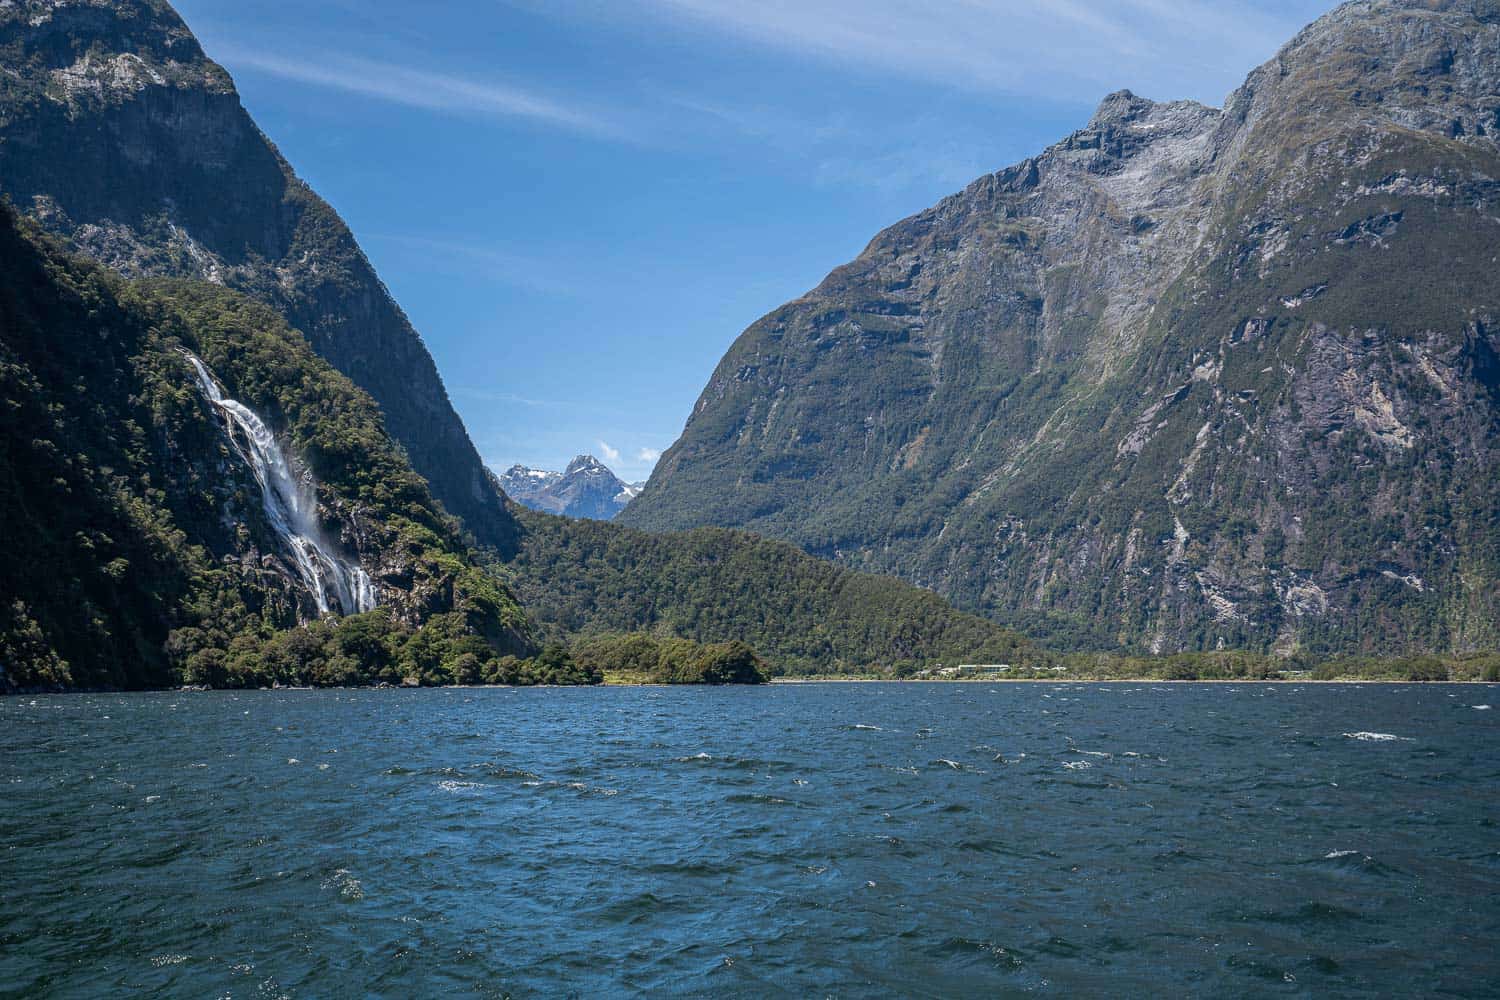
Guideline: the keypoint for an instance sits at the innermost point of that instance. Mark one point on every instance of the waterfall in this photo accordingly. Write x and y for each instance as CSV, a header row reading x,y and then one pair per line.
x,y
337,584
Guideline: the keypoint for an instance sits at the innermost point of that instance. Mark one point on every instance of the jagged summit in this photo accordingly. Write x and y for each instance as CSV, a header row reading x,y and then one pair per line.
x,y
1121,106
585,463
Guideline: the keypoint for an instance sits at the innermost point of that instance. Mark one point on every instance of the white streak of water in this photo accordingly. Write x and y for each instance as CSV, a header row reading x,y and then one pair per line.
x,y
337,584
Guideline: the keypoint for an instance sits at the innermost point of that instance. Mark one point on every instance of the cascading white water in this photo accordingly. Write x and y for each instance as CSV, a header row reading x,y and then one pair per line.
x,y
337,584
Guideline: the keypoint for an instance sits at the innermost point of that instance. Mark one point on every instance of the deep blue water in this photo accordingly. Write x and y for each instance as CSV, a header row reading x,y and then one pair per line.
x,y
1134,840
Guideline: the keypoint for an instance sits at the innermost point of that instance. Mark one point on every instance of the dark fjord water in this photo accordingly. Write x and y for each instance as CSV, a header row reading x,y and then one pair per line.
x,y
845,840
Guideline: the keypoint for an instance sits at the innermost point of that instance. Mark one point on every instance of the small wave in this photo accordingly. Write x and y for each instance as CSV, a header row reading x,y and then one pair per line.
x,y
1003,957
1378,738
459,786
944,761
293,760
349,888
162,961
1077,765
759,800
861,727
1355,862
627,909
1480,708
694,759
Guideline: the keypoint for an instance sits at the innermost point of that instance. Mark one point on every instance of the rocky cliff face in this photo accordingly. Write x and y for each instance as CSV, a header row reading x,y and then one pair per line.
x,y
118,134
587,489
1190,378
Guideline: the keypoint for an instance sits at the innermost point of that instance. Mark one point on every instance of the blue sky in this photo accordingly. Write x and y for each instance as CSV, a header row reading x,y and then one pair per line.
x,y
581,203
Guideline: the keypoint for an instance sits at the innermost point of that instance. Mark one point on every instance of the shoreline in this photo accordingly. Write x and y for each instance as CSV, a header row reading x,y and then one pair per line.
x,y
1118,680
777,681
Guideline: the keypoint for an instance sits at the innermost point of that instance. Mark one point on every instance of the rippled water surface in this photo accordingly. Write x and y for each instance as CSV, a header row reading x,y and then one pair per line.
x,y
845,840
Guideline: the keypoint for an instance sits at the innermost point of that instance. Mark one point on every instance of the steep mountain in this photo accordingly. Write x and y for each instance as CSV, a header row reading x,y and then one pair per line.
x,y
188,492
120,136
586,489
1191,378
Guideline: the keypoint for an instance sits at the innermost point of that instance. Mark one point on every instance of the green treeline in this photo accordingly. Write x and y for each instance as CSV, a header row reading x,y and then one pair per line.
x,y
646,659
369,649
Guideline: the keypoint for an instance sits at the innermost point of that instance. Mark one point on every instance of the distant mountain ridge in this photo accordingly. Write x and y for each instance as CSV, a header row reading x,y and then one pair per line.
x,y
586,489
119,135
1190,378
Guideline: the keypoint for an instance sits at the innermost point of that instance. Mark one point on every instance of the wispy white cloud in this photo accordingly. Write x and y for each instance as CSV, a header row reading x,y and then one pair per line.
x,y
510,398
1070,49
648,456
522,270
419,88
611,455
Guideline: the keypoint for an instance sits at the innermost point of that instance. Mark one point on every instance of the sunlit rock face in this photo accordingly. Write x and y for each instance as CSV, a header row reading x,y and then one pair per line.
x,y
1192,377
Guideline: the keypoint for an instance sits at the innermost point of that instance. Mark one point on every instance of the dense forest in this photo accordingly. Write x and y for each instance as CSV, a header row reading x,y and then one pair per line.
x,y
647,659
805,615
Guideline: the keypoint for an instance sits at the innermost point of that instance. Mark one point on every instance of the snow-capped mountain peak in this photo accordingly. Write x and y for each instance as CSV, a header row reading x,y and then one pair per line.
x,y
587,489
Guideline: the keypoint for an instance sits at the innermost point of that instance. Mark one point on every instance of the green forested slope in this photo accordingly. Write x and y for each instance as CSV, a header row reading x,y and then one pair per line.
x,y
804,615
137,549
